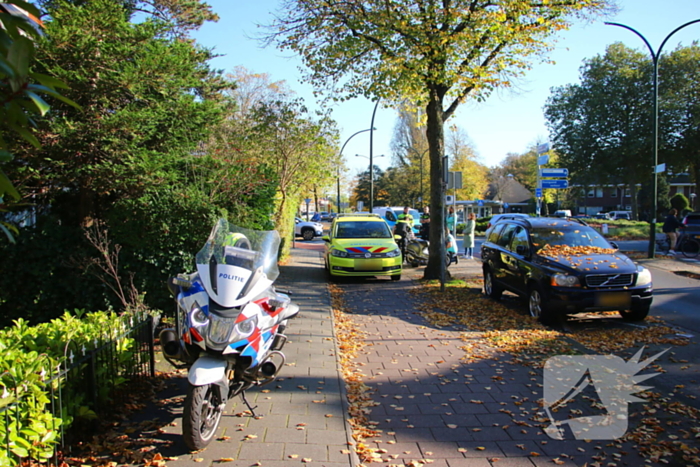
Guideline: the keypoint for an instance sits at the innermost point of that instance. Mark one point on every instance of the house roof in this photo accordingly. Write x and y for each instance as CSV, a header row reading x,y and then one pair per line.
x,y
511,192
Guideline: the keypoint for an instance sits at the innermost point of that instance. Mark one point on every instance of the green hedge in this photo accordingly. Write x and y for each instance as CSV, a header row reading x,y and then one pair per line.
x,y
29,360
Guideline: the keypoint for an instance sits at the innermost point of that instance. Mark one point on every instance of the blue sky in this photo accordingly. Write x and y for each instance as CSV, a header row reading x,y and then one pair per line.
x,y
509,121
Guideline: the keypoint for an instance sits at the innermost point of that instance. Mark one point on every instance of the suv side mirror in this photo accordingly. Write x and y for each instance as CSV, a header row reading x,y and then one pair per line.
x,y
614,245
522,250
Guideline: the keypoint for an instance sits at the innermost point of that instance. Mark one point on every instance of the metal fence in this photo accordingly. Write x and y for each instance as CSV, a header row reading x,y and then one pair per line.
x,y
88,383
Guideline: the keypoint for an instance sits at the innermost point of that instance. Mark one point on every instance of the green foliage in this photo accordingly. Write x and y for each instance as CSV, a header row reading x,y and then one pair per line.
x,y
44,280
21,92
132,159
663,203
29,359
679,202
147,103
603,124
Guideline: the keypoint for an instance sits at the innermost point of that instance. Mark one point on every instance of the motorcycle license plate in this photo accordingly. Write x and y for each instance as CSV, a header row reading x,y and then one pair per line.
x,y
614,299
368,264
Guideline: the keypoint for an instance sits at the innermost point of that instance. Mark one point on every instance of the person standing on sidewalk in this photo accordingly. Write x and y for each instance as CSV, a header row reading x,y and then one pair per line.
x,y
451,220
468,241
425,223
671,224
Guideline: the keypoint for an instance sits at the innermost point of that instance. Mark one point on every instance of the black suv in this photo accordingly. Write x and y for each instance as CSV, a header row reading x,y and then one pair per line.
x,y
562,267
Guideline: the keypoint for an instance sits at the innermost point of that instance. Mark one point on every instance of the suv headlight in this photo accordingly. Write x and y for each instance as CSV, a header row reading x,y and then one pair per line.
x,y
393,253
339,253
643,276
564,280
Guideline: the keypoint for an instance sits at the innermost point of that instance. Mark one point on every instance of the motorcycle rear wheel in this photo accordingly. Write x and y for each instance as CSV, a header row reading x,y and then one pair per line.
x,y
201,415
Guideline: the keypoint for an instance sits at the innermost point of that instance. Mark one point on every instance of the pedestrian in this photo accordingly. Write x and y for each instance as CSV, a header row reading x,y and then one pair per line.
x,y
451,246
425,223
671,224
451,220
468,241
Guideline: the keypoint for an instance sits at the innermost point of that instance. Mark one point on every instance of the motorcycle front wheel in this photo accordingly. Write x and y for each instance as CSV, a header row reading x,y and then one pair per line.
x,y
201,415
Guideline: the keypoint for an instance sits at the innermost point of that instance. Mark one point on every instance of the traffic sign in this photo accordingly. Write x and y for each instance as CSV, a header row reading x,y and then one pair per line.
x,y
538,192
480,202
554,173
555,183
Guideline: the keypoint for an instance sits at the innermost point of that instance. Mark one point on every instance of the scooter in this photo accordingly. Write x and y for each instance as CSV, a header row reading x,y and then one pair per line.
x,y
229,326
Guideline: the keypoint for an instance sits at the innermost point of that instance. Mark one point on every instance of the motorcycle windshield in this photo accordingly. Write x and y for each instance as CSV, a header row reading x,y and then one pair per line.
x,y
236,263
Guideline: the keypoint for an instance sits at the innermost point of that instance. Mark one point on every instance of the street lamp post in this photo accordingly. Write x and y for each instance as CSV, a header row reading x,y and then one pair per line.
x,y
692,201
371,145
655,61
341,154
420,159
371,179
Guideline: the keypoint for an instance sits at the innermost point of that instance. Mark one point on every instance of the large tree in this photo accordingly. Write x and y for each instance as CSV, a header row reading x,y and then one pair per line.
x,y
435,53
463,158
603,125
266,124
146,103
679,89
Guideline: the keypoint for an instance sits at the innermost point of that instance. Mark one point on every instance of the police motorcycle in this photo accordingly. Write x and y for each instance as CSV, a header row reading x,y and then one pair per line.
x,y
229,327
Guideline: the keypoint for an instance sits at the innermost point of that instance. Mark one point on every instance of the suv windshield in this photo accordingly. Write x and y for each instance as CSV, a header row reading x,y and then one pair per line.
x,y
362,229
574,235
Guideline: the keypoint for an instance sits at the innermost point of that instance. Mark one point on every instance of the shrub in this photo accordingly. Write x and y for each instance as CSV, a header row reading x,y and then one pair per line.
x,y
30,380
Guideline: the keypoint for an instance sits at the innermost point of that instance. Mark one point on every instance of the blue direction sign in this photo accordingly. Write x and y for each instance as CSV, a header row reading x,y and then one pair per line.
x,y
555,183
555,172
538,192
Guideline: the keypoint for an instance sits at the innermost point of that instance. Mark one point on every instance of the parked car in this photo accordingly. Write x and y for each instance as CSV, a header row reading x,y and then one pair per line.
x,y
307,230
512,215
691,225
325,216
562,213
618,215
390,214
361,245
563,267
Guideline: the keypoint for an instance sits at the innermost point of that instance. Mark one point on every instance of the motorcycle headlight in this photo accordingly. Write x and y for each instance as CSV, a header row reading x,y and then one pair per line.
x,y
220,329
246,327
643,276
393,253
197,317
564,280
339,253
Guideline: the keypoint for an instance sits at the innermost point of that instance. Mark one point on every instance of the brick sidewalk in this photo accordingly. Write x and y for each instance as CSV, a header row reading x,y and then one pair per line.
x,y
434,408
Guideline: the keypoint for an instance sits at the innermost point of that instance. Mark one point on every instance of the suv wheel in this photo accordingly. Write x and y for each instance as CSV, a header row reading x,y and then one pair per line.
x,y
491,289
637,313
537,305
307,234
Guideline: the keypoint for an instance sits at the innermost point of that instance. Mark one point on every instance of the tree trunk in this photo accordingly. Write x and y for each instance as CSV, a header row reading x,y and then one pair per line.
x,y
436,143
